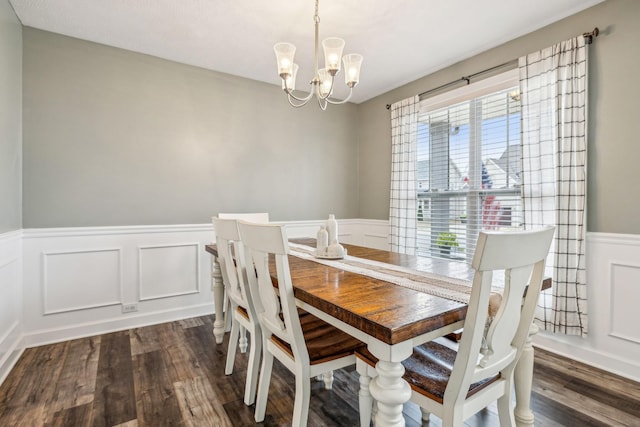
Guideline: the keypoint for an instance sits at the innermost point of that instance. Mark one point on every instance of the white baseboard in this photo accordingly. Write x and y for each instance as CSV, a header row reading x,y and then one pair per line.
x,y
588,355
104,326
13,346
12,357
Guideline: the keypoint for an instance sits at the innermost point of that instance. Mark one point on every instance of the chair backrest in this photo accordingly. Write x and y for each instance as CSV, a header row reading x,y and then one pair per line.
x,y
257,217
485,351
232,263
276,311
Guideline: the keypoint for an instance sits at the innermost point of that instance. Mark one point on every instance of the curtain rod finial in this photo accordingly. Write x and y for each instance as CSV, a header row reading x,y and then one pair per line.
x,y
588,37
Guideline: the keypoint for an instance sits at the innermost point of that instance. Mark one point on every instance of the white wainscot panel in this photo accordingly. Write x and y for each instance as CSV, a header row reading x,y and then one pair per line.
x,y
168,270
77,280
362,232
365,232
376,241
299,229
625,287
8,300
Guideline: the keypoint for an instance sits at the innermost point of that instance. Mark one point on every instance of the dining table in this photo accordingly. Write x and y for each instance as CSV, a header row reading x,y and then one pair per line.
x,y
390,318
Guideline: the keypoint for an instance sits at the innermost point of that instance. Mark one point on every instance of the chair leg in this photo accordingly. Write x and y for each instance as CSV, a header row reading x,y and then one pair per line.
x,y
231,351
453,418
263,386
365,400
301,403
328,380
228,314
243,342
374,412
425,416
252,368
505,408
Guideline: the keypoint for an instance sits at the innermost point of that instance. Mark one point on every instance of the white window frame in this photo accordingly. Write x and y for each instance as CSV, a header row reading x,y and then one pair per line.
x,y
493,84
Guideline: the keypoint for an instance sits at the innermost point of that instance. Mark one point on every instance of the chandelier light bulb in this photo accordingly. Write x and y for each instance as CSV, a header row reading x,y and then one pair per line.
x,y
326,82
290,82
352,64
284,56
333,47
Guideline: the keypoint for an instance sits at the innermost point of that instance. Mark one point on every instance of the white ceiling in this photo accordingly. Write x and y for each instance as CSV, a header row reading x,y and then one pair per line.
x,y
401,40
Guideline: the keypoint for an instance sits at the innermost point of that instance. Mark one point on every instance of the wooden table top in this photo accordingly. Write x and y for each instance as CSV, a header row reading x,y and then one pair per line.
x,y
386,311
381,309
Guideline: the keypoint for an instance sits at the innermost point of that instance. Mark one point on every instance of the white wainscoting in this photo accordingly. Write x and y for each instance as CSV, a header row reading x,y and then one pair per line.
x,y
98,283
11,345
363,232
77,281
169,270
613,278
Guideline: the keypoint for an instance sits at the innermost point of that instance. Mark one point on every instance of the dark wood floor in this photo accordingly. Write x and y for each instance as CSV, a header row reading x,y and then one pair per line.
x,y
173,374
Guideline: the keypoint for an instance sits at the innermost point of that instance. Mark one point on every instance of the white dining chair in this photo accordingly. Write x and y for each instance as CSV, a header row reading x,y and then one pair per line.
x,y
305,345
241,309
257,217
453,385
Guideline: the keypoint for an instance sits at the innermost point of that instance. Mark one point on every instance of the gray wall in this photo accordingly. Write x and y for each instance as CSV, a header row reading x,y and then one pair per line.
x,y
10,119
614,115
113,137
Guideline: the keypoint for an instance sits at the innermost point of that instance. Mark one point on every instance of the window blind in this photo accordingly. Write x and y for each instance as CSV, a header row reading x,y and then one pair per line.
x,y
468,172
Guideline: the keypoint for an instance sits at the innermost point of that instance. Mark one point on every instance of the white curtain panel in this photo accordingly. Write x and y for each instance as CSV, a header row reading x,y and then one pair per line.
x,y
553,87
403,203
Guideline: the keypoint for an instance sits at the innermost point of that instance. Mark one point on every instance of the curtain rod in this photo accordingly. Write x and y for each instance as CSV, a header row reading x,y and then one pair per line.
x,y
588,38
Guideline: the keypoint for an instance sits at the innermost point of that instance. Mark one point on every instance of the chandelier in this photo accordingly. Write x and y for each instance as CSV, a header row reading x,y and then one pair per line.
x,y
322,83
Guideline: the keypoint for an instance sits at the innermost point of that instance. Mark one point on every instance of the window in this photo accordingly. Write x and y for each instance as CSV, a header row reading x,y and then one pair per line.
x,y
468,166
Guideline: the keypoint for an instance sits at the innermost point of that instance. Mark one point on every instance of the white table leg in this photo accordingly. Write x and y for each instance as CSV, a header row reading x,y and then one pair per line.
x,y
391,392
523,382
218,300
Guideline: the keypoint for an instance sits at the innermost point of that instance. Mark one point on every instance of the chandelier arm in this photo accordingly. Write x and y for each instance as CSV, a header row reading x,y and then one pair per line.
x,y
290,94
343,101
305,99
293,104
333,79
322,103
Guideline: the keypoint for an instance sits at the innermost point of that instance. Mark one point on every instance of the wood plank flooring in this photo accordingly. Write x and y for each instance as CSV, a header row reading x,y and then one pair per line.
x,y
173,374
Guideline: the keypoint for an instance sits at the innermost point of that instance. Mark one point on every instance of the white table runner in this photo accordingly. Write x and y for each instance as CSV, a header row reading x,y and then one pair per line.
x,y
430,283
